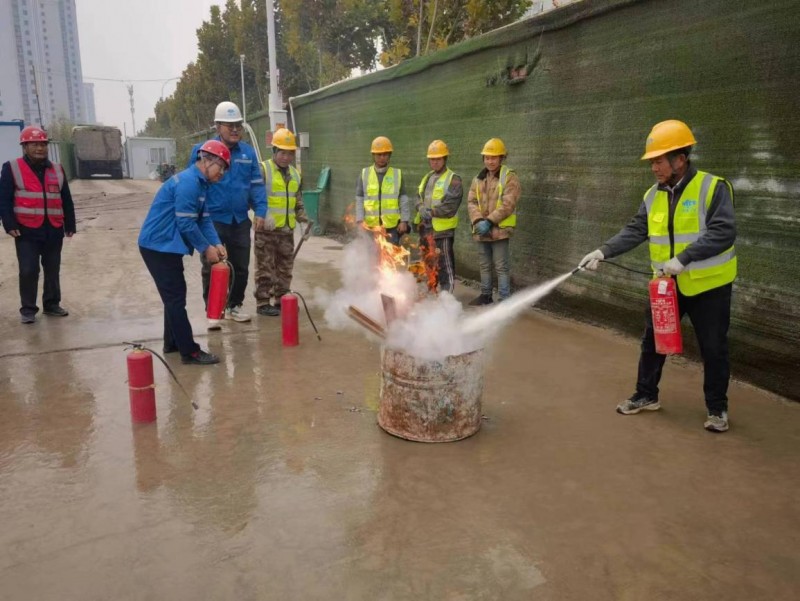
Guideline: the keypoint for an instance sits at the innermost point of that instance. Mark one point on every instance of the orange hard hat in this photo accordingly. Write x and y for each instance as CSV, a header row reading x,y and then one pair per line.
x,y
667,136
284,139
437,150
380,145
494,147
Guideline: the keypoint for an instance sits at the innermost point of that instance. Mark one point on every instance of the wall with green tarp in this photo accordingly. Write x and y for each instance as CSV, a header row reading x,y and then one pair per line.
x,y
600,74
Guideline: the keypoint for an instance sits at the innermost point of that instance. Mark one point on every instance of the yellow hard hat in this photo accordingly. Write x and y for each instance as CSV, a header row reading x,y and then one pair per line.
x,y
380,145
437,149
494,148
666,136
284,139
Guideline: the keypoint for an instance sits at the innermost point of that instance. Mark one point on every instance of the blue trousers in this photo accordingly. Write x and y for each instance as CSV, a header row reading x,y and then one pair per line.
x,y
494,255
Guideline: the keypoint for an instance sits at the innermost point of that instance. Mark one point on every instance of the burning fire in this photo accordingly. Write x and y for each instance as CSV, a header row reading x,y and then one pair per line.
x,y
390,257
350,216
430,259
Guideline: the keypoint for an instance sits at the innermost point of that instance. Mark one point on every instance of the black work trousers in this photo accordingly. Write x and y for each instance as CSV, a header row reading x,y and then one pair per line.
x,y
30,253
236,238
710,314
167,272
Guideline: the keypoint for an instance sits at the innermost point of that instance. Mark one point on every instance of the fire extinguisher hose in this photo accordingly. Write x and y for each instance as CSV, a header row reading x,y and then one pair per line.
x,y
140,347
620,265
308,313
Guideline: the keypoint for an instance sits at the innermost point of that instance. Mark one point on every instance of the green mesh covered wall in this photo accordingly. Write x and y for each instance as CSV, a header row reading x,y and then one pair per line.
x,y
600,74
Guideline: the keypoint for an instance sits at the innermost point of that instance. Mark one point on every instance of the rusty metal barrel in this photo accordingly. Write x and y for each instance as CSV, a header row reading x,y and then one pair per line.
x,y
431,401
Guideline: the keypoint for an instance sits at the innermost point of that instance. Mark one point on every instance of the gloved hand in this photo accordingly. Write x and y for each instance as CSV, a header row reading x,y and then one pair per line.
x,y
269,224
592,260
673,266
426,216
483,227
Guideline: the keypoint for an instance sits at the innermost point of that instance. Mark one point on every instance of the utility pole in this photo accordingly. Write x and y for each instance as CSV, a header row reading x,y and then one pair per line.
x,y
133,121
277,116
36,92
244,102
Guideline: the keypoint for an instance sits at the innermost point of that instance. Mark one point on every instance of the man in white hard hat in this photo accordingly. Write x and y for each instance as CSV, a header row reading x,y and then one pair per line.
x,y
241,189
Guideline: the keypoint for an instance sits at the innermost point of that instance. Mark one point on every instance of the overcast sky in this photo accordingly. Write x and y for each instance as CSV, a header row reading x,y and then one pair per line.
x,y
137,39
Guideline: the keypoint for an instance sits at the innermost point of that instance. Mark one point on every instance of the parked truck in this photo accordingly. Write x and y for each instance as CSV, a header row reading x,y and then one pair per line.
x,y
98,151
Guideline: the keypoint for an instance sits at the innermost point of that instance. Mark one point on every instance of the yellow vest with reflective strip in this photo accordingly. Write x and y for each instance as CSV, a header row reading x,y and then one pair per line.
x,y
440,188
511,220
381,201
688,224
281,198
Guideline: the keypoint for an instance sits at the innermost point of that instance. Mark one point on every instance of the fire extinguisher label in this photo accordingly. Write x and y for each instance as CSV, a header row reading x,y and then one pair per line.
x,y
662,287
664,315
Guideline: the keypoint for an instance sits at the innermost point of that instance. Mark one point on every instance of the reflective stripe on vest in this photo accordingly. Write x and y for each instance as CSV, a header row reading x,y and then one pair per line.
x,y
381,200
688,225
511,220
32,200
440,188
281,198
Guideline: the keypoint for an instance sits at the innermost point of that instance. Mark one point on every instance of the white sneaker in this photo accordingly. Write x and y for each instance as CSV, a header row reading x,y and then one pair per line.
x,y
213,324
717,423
236,314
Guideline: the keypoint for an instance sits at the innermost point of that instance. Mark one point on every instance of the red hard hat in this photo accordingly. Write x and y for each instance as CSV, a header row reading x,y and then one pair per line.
x,y
32,133
219,149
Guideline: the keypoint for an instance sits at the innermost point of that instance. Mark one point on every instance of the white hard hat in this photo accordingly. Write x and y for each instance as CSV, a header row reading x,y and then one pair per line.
x,y
227,112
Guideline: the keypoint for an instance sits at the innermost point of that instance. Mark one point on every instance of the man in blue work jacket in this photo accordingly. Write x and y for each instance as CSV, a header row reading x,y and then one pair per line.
x,y
177,224
241,188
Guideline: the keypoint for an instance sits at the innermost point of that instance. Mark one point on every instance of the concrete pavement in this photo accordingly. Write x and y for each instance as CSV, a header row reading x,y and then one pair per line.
x,y
281,486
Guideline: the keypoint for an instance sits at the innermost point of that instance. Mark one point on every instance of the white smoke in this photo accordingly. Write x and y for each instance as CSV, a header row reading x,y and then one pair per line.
x,y
432,328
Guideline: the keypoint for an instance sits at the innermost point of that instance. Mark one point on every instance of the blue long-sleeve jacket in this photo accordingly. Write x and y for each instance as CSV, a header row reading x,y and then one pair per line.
x,y
178,220
240,189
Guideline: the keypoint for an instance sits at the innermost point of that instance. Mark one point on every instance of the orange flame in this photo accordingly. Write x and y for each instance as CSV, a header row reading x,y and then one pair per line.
x,y
430,259
390,257
350,215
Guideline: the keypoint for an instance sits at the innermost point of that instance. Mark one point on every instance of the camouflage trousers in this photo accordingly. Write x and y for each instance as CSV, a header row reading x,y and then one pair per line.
x,y
274,264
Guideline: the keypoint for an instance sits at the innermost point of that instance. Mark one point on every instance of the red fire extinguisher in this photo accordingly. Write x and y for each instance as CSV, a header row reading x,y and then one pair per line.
x,y
666,316
218,290
141,386
290,313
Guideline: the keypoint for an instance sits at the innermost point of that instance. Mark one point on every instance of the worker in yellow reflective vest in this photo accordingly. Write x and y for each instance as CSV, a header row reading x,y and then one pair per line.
x,y
438,197
274,243
381,200
492,206
688,219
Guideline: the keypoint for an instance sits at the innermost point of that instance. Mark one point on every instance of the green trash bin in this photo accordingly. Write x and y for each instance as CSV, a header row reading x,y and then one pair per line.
x,y
311,198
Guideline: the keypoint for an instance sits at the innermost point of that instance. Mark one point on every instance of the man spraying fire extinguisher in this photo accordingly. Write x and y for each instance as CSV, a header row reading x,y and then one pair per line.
x,y
177,224
688,219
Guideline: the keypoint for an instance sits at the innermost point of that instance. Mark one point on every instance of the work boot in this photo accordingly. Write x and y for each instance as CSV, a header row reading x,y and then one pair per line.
x,y
200,358
717,423
27,318
213,325
637,403
236,314
483,299
270,310
57,311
